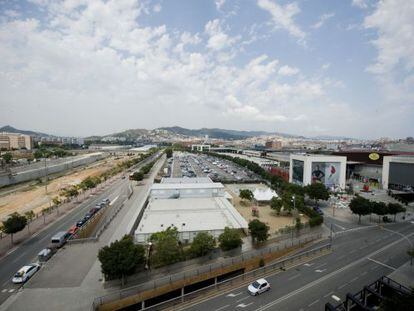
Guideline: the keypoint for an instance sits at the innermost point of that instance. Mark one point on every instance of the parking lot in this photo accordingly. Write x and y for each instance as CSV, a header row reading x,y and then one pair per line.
x,y
202,165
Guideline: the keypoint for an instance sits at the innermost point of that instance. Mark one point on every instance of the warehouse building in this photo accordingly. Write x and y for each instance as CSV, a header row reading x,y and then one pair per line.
x,y
191,205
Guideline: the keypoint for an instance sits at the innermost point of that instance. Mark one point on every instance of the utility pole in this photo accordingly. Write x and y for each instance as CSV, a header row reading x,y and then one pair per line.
x,y
45,176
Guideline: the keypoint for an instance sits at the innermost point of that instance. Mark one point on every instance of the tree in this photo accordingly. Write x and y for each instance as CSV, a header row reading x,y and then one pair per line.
x,y
395,208
276,204
379,208
246,194
121,258
288,202
259,230
360,206
137,176
29,216
167,246
14,224
169,152
56,201
230,239
317,191
203,243
7,157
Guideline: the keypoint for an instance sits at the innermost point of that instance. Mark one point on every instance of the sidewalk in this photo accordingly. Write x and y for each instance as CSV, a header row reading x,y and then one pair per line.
x,y
404,275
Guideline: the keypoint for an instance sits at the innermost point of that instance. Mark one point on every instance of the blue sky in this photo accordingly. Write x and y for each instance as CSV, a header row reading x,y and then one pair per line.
x,y
308,67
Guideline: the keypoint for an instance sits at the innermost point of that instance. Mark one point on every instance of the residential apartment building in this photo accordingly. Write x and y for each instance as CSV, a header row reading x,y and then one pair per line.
x,y
10,141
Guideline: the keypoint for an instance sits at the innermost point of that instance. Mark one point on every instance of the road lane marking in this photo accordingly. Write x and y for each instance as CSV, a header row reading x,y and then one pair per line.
x,y
4,290
328,294
320,271
340,227
113,201
342,286
294,277
242,305
363,273
11,290
354,279
315,302
308,264
324,264
234,295
382,264
223,307
327,276
243,299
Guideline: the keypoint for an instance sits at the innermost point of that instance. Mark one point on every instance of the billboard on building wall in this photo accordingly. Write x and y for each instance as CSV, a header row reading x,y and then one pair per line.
x,y
297,172
326,173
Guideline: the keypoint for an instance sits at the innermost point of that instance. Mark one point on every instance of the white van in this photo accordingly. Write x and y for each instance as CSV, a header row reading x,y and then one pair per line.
x,y
59,239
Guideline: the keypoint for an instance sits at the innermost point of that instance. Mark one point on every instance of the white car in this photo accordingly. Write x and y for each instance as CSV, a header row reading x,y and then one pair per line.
x,y
258,287
25,273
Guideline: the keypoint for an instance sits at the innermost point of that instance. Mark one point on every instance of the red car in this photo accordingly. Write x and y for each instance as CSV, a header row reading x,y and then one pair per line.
x,y
73,230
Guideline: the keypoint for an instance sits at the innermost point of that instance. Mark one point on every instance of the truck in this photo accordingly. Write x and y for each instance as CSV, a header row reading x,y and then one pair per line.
x,y
59,239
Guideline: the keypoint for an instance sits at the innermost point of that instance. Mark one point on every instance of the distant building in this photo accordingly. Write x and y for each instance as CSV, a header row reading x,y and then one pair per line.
x,y
200,148
273,144
10,141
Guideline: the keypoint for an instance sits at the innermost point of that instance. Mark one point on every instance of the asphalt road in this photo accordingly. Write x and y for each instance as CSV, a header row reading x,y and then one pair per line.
x,y
28,250
359,257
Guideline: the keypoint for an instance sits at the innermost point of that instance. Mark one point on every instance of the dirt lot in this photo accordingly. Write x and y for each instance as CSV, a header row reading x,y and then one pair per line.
x,y
35,198
266,214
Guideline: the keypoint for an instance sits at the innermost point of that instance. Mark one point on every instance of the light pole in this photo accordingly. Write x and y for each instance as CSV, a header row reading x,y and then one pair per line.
x,y
45,176
293,218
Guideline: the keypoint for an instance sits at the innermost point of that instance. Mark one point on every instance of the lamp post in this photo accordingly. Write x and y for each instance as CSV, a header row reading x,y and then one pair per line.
x,y
293,218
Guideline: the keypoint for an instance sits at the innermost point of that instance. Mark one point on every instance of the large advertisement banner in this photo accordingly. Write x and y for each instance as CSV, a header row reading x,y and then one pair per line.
x,y
297,172
326,173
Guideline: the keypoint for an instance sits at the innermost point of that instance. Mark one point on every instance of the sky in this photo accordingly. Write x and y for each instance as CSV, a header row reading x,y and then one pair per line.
x,y
307,67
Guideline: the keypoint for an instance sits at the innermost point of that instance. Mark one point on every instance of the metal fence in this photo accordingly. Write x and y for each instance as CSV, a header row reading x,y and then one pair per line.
x,y
223,263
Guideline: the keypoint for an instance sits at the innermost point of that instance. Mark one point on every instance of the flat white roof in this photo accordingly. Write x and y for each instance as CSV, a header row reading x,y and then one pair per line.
x,y
190,214
166,186
187,180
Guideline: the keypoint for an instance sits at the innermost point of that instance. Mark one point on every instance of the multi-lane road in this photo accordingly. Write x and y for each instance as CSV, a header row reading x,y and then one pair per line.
x,y
359,257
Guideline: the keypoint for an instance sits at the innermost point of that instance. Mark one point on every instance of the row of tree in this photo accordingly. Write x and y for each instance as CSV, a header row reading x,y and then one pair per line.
x,y
139,175
290,195
362,207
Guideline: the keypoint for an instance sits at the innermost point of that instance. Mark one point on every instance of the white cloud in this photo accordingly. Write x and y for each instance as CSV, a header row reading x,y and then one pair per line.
x,y
218,39
219,4
282,16
322,19
363,4
157,8
288,71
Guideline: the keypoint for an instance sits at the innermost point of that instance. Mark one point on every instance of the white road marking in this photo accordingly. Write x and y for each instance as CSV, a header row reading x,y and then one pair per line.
x,y
336,298
234,295
320,271
340,227
328,294
363,273
342,286
382,264
242,305
11,290
243,299
9,252
223,307
293,277
324,264
4,290
327,276
113,201
354,279
315,302
308,264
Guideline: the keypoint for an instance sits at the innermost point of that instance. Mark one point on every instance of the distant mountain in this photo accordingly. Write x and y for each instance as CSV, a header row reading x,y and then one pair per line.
x,y
213,132
132,133
10,129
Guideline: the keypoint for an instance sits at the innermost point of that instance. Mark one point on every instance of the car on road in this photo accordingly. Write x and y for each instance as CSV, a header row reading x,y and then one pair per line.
x,y
258,287
318,210
72,230
25,273
44,255
59,239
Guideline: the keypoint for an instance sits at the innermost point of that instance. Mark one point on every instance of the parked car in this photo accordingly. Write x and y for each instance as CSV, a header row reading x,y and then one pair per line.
x,y
44,255
318,210
81,222
258,287
59,239
72,230
25,273
93,210
106,201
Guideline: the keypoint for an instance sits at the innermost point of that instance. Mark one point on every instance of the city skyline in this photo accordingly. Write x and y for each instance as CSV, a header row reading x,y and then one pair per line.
x,y
343,68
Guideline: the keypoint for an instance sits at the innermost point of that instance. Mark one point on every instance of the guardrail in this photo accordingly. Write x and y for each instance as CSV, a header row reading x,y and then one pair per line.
x,y
248,276
183,276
